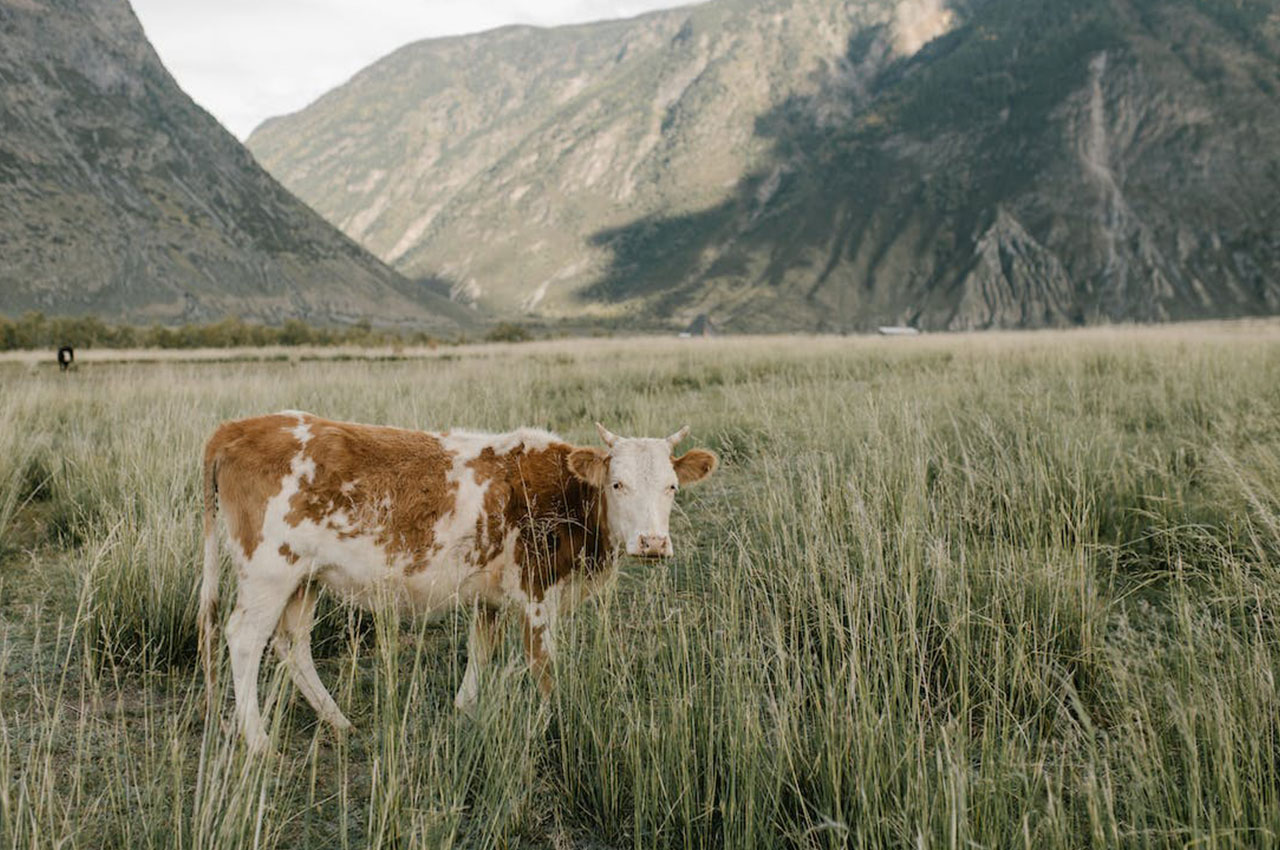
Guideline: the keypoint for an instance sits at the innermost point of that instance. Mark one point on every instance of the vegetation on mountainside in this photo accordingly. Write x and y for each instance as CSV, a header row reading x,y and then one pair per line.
x,y
979,591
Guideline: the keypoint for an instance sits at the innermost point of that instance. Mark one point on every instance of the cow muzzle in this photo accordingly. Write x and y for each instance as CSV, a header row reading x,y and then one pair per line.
x,y
650,546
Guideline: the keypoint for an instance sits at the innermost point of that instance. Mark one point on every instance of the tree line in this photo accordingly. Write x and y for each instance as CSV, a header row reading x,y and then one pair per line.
x,y
34,330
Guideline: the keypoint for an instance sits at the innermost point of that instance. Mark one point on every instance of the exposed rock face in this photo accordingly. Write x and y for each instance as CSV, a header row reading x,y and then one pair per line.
x,y
792,164
121,198
1014,281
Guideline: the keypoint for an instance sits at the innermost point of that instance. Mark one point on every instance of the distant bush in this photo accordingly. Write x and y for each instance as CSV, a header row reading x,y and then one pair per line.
x,y
35,330
508,332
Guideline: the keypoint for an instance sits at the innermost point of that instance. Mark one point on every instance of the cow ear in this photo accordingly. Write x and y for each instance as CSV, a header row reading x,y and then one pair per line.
x,y
695,465
589,465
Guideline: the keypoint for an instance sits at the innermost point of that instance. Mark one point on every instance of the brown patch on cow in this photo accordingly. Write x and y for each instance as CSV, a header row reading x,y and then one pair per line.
x,y
391,485
562,520
288,554
246,462
556,514
694,465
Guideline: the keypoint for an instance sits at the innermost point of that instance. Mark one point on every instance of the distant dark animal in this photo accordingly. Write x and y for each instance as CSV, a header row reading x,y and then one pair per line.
x,y
66,356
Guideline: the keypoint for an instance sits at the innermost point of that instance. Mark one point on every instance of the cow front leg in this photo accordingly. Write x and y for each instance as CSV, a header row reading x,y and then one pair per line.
x,y
260,601
539,648
481,642
293,645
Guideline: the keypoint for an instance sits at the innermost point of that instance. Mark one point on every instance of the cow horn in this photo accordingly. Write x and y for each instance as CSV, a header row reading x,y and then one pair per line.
x,y
675,438
608,436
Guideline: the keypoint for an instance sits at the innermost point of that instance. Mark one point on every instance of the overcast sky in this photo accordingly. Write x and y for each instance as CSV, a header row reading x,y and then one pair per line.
x,y
247,60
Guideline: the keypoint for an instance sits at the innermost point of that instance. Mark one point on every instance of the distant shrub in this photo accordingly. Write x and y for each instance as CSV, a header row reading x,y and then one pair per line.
x,y
508,332
35,330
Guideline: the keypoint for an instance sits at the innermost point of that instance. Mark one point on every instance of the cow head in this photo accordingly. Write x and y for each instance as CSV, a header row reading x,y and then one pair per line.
x,y
638,478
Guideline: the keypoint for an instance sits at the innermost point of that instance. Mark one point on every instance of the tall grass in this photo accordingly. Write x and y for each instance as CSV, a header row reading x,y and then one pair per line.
x,y
992,591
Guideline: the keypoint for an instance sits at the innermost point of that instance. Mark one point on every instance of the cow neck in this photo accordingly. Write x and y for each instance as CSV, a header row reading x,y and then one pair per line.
x,y
564,520
577,503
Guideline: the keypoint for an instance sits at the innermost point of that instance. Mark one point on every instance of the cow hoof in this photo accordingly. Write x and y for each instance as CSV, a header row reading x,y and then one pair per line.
x,y
340,723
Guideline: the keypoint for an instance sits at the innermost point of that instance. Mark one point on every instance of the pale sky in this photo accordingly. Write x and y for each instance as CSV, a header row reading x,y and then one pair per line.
x,y
248,60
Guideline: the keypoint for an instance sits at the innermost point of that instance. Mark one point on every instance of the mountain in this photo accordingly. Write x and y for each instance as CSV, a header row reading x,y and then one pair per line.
x,y
823,164
491,160
123,199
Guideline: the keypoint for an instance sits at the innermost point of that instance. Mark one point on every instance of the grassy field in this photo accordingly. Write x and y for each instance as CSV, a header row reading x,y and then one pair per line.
x,y
987,591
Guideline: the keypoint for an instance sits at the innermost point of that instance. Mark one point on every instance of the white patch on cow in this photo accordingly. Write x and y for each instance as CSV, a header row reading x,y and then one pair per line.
x,y
510,579
354,566
341,522
469,690
472,443
349,487
455,532
304,468
544,615
302,431
444,586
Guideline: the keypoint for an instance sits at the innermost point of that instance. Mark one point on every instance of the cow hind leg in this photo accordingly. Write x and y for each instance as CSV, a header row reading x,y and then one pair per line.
x,y
293,645
481,642
265,590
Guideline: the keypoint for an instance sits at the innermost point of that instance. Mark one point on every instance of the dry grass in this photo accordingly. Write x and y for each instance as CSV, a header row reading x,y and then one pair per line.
x,y
993,591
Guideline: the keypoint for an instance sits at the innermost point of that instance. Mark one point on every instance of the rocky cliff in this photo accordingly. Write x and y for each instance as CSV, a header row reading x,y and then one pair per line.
x,y
823,164
122,198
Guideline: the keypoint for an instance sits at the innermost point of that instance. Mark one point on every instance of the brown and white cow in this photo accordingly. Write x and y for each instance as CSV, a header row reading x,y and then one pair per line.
x,y
421,522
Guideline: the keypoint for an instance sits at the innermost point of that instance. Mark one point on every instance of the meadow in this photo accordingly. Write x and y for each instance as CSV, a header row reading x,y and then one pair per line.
x,y
996,590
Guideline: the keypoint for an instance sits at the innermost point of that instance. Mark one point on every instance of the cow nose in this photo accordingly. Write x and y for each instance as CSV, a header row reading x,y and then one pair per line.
x,y
654,545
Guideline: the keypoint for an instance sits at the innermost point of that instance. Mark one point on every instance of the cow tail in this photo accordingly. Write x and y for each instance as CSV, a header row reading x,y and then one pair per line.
x,y
207,617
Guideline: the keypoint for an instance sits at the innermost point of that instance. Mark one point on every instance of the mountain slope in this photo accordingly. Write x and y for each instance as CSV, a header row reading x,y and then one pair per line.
x,y
491,159
1044,164
121,198
805,164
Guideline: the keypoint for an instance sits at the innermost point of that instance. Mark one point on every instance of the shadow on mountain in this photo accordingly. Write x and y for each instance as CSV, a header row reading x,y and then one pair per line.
x,y
434,284
931,196
436,292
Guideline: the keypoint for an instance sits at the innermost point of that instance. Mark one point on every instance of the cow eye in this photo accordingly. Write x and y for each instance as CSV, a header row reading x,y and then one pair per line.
x,y
617,485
